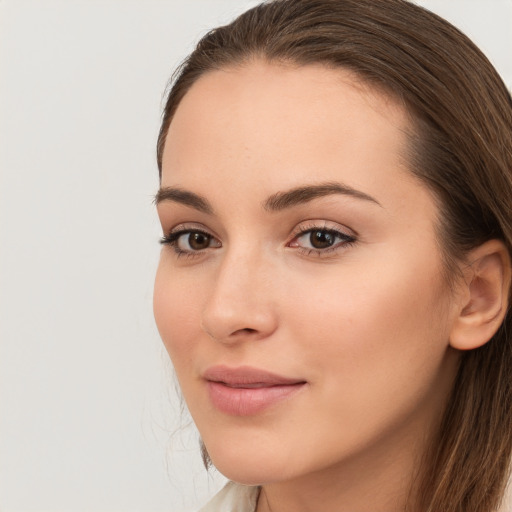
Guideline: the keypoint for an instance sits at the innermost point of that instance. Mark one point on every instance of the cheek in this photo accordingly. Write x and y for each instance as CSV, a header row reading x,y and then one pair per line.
x,y
175,306
370,334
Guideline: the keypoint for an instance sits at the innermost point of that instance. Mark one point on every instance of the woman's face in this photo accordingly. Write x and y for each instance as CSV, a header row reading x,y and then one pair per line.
x,y
300,292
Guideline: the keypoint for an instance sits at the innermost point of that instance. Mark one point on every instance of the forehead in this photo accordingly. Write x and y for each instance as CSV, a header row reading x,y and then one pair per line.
x,y
282,121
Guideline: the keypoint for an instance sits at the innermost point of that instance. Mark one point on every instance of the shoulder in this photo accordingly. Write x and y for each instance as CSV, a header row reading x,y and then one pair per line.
x,y
233,497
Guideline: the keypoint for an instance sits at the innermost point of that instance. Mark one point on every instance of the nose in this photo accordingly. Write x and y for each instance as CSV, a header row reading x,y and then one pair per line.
x,y
240,305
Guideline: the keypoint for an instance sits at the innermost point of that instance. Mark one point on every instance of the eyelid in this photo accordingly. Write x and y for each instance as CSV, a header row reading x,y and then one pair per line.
x,y
346,235
174,234
322,224
190,226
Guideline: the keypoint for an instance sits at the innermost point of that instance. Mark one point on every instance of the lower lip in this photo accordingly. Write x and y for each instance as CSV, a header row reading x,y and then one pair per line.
x,y
249,401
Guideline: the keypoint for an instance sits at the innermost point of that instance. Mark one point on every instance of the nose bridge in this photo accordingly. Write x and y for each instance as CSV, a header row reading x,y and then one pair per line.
x,y
240,300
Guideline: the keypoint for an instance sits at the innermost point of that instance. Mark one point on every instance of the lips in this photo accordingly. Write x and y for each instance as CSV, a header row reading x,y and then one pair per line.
x,y
246,391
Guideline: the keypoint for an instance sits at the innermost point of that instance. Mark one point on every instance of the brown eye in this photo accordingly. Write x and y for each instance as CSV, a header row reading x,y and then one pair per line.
x,y
191,241
321,239
198,241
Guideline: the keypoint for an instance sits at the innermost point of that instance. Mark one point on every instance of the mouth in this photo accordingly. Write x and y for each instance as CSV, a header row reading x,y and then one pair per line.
x,y
246,391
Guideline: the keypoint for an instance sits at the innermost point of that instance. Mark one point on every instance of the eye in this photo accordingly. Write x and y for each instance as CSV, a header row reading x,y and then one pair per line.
x,y
320,240
187,241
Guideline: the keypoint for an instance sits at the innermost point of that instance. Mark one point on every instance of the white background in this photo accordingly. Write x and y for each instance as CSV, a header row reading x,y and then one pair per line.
x,y
89,418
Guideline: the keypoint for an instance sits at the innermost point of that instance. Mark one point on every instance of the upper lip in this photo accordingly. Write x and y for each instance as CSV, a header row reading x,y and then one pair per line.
x,y
247,376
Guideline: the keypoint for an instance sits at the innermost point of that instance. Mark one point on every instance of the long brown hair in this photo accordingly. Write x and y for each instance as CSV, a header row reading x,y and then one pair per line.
x,y
461,148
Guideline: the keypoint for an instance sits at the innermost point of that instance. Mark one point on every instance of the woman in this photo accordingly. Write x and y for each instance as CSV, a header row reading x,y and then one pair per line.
x,y
333,290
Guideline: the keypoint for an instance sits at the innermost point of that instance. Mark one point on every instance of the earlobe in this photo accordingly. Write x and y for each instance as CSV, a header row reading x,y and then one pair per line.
x,y
485,291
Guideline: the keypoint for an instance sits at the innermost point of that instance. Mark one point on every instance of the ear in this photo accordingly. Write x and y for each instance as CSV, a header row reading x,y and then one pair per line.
x,y
484,295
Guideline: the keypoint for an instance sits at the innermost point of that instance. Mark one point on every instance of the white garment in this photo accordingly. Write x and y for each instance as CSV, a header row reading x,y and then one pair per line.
x,y
243,498
233,498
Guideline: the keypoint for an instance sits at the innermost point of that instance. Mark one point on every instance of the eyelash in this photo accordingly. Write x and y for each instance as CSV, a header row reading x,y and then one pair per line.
x,y
345,240
173,237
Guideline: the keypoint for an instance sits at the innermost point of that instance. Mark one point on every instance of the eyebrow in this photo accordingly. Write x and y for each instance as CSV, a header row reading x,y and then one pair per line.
x,y
276,202
184,197
304,194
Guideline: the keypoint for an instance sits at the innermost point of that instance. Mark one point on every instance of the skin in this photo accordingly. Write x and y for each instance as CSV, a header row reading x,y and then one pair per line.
x,y
366,324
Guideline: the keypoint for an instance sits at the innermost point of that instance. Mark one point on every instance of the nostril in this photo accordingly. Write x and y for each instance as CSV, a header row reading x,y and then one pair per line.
x,y
247,330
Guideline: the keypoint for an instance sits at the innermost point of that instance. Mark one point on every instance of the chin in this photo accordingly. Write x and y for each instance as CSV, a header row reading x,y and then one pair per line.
x,y
248,467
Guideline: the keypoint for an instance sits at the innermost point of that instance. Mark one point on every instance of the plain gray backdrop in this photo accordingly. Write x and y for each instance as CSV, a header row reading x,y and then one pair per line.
x,y
89,417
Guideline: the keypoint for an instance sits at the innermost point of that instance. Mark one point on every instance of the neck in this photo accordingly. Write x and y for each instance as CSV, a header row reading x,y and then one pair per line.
x,y
378,476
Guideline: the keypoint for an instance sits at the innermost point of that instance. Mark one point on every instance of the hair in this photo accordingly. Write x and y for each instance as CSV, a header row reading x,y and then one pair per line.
x,y
460,148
